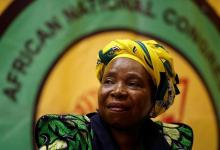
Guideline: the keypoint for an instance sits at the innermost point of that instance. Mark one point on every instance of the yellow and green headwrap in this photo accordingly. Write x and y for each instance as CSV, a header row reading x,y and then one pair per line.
x,y
155,59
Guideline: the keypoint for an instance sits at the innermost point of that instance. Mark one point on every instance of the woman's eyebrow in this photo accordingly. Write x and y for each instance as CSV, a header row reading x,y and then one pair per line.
x,y
110,74
134,74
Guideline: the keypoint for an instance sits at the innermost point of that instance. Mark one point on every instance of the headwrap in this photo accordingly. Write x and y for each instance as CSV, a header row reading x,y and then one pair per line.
x,y
155,59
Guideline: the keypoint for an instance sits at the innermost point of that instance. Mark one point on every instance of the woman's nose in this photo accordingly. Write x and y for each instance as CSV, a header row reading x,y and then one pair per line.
x,y
119,91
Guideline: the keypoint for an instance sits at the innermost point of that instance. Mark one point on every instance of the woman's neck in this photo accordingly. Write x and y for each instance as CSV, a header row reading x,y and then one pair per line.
x,y
127,139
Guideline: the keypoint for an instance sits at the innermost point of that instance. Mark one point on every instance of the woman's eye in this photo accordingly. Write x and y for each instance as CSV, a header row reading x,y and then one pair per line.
x,y
108,81
134,84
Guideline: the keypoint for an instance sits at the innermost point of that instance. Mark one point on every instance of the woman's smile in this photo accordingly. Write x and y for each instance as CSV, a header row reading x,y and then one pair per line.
x,y
118,107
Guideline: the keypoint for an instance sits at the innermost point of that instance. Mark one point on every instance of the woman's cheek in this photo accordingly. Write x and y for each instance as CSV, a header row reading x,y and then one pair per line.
x,y
102,95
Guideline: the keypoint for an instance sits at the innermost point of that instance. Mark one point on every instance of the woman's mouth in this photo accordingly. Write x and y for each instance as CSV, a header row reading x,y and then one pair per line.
x,y
117,107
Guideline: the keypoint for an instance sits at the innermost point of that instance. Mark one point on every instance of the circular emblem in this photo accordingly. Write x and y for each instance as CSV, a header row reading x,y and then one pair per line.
x,y
48,57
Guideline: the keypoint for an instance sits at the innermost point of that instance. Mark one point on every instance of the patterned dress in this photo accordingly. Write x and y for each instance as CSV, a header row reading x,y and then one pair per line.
x,y
87,132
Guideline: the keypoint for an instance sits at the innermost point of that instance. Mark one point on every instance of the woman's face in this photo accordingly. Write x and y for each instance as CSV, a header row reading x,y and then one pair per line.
x,y
125,94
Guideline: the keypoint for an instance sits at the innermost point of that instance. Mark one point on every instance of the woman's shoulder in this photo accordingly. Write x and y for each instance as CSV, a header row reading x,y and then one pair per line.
x,y
60,131
177,135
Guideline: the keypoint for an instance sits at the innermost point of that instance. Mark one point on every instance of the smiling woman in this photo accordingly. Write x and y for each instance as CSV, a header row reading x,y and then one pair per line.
x,y
125,94
137,82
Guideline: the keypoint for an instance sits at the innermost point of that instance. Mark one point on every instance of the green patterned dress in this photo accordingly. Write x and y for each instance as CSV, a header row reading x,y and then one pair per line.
x,y
74,132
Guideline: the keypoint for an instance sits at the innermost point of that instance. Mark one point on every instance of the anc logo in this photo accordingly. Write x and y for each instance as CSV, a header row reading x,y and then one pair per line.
x,y
48,60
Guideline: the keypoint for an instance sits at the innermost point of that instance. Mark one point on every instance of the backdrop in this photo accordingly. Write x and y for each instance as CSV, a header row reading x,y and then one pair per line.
x,y
48,55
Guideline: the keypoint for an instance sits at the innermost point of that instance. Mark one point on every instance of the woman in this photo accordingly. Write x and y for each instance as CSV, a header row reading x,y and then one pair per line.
x,y
137,82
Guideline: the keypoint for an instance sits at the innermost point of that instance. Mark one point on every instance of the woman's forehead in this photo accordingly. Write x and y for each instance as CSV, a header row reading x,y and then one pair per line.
x,y
126,65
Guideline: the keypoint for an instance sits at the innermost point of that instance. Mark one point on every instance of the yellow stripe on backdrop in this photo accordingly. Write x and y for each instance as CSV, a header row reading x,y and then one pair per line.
x,y
215,4
4,4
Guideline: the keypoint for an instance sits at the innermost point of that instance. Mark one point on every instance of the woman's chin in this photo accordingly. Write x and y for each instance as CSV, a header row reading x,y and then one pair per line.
x,y
119,122
119,126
